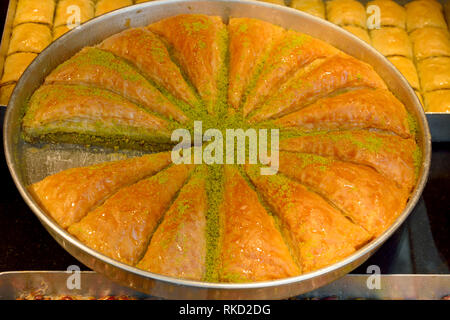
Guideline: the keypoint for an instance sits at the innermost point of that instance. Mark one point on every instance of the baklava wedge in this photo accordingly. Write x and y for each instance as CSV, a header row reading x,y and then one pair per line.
x,y
178,246
88,115
149,54
318,233
339,72
388,154
250,43
252,248
355,109
293,51
345,152
69,195
200,45
365,196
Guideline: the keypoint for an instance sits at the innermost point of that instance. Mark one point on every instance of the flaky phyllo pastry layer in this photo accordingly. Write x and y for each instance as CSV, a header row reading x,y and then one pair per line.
x,y
348,157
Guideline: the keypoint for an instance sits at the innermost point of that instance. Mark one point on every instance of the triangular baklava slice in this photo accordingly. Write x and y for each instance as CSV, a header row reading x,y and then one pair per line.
x,y
178,246
339,72
390,155
122,226
252,248
99,68
147,52
200,45
366,197
293,51
250,43
318,233
354,109
87,115
70,194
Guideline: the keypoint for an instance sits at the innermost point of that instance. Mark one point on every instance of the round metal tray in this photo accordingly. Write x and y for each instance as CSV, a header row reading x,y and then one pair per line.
x,y
30,163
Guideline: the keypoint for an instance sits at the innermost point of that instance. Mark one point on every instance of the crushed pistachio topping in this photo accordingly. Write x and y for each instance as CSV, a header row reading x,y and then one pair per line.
x,y
272,191
91,57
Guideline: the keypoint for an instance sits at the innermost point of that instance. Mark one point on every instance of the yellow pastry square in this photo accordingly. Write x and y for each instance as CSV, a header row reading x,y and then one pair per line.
x,y
314,7
346,12
391,13
41,11
391,42
430,42
359,32
30,37
105,6
15,65
59,31
434,73
447,13
407,69
424,13
437,101
70,12
5,93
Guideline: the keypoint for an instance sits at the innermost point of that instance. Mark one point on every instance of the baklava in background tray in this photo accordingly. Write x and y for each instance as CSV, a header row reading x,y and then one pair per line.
x,y
412,34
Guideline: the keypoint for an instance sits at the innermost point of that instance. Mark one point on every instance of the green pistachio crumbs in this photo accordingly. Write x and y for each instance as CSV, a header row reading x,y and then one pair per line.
x,y
219,119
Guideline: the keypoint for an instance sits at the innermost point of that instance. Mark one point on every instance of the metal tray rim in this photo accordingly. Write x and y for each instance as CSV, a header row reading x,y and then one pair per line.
x,y
68,241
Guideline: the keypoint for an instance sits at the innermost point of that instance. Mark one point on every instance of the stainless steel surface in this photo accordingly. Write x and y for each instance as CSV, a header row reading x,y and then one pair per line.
x,y
57,158
54,283
92,284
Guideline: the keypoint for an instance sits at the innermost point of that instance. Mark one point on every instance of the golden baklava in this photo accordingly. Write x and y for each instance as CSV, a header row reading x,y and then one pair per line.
x,y
6,92
391,13
279,2
347,156
407,69
437,101
434,73
359,32
41,11
15,65
391,42
59,31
